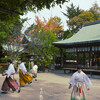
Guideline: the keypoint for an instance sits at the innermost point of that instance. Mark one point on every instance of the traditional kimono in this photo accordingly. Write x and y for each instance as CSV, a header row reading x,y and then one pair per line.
x,y
77,82
24,77
35,67
9,81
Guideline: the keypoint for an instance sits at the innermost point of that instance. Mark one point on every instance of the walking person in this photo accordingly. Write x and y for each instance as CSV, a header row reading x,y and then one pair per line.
x,y
35,68
24,76
9,81
77,81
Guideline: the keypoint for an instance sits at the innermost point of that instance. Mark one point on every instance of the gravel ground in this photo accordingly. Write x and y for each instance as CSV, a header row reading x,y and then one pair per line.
x,y
49,86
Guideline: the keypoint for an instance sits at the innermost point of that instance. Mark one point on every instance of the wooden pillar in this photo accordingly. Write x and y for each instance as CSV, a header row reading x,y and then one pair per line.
x,y
54,60
61,55
77,58
90,57
93,59
29,66
97,59
84,58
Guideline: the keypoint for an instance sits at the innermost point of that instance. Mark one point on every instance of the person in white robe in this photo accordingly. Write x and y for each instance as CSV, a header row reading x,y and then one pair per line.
x,y
23,68
35,68
24,76
77,81
9,81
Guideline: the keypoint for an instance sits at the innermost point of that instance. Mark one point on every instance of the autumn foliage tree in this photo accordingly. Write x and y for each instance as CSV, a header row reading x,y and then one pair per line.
x,y
13,46
76,22
95,9
44,33
54,25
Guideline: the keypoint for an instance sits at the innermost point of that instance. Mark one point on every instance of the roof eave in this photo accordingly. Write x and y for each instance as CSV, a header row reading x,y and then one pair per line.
x,y
74,44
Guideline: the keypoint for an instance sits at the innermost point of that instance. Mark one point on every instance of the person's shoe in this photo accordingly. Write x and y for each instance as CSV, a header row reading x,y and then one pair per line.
x,y
4,92
19,89
33,76
30,82
22,86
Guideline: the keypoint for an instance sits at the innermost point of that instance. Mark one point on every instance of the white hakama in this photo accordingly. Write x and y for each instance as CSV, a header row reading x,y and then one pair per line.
x,y
77,81
34,69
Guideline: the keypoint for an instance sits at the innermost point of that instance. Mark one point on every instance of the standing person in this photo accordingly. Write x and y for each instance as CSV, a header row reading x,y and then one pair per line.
x,y
24,76
77,82
35,68
9,81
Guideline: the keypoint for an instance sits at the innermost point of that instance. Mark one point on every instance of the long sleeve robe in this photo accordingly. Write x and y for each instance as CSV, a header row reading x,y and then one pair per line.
x,y
35,67
23,68
10,71
80,77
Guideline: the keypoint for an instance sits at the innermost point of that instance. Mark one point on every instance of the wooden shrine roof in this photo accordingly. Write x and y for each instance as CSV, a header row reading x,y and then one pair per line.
x,y
88,34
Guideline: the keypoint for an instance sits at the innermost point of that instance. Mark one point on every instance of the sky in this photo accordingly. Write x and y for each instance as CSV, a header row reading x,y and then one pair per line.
x,y
57,11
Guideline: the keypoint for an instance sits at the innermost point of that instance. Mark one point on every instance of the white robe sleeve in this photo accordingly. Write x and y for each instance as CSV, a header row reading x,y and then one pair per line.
x,y
72,80
10,71
87,81
33,68
23,68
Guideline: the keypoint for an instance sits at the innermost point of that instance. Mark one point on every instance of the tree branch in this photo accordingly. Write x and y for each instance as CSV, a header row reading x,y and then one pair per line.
x,y
3,10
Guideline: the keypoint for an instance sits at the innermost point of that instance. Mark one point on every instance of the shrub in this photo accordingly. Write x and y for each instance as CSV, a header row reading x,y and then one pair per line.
x,y
4,60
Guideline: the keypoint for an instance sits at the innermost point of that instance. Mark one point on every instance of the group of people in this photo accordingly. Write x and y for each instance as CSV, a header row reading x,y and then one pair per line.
x,y
76,81
24,77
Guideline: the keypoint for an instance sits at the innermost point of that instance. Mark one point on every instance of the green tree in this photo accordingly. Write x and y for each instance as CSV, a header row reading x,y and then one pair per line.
x,y
4,30
41,45
13,46
10,37
76,22
28,29
95,9
44,33
72,11
17,25
7,28
13,8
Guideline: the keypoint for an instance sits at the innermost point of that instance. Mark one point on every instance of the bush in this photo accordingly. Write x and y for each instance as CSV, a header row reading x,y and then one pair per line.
x,y
1,67
4,67
4,60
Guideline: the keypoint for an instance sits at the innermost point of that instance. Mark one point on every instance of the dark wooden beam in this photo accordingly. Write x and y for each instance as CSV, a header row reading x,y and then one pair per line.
x,y
62,57
90,55
77,56
84,57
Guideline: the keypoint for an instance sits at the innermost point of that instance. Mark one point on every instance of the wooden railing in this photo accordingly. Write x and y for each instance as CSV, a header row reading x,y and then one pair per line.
x,y
1,64
86,67
91,71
